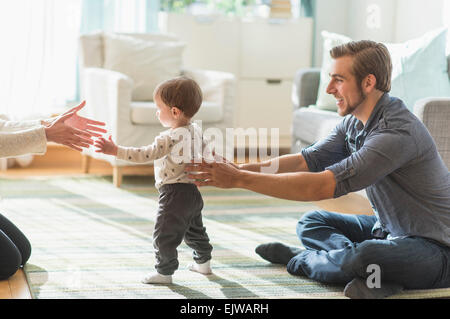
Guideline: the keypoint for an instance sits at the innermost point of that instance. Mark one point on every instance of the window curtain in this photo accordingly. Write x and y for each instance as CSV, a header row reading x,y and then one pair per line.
x,y
38,56
446,19
120,15
307,8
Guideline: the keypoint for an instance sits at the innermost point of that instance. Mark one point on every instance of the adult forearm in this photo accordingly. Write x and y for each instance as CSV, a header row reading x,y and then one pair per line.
x,y
299,186
31,141
282,164
15,126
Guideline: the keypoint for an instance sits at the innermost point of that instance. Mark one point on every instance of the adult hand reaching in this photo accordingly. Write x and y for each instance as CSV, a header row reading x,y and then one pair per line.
x,y
72,130
220,173
83,123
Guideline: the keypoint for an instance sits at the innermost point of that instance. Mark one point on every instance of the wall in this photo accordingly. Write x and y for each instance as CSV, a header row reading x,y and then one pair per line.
x,y
415,17
372,19
378,20
331,15
263,54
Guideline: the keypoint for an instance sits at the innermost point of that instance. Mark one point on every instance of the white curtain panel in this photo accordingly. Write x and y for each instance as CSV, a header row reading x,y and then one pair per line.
x,y
130,16
38,55
446,18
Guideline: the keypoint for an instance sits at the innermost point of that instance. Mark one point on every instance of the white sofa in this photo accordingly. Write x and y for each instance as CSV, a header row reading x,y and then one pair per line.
x,y
133,123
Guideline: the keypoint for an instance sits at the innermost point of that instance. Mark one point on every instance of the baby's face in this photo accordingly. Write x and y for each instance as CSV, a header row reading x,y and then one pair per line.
x,y
163,112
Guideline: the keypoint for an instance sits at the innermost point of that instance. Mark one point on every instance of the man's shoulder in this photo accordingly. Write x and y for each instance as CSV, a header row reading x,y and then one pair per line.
x,y
396,115
396,119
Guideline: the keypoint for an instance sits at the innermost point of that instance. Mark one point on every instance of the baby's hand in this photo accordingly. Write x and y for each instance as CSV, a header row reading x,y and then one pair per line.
x,y
106,146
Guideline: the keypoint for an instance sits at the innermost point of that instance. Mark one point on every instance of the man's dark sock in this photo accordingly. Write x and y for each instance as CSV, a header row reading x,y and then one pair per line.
x,y
277,253
357,289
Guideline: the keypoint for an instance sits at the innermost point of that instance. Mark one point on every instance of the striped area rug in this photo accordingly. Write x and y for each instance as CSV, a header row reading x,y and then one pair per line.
x,y
92,240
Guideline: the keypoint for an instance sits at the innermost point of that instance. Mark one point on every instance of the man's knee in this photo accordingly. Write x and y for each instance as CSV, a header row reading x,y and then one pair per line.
x,y
360,256
310,220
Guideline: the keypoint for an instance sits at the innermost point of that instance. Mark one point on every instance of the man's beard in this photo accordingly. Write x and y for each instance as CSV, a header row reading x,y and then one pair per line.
x,y
351,108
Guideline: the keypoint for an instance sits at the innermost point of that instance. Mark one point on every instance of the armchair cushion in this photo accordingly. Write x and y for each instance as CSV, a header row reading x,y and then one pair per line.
x,y
147,63
145,113
305,87
435,114
311,124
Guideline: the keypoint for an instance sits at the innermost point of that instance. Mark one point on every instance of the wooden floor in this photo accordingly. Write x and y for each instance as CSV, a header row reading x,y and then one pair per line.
x,y
60,160
16,287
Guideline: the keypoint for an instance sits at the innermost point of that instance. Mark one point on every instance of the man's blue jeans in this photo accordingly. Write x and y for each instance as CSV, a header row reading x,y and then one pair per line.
x,y
340,247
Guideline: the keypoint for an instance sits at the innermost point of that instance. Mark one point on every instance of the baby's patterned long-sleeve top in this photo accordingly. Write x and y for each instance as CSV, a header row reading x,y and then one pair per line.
x,y
170,151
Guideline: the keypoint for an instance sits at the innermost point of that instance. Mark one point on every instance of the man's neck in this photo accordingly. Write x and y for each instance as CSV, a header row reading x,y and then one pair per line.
x,y
365,109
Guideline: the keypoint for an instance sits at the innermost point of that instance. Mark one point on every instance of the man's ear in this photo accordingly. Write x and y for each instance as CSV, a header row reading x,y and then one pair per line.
x,y
369,83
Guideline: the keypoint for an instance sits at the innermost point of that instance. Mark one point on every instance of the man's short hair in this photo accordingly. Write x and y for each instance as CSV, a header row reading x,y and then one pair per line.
x,y
369,57
181,92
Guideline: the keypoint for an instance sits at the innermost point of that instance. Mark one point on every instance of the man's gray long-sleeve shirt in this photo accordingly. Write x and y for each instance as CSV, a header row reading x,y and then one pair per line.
x,y
396,160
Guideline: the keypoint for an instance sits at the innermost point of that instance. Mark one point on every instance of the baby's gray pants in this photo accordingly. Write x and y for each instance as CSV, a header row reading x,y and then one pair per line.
x,y
179,217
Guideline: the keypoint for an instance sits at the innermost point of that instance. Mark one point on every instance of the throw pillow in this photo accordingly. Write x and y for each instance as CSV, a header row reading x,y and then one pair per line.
x,y
326,101
147,63
419,68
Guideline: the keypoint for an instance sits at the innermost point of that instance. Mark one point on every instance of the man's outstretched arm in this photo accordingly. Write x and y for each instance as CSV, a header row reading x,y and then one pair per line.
x,y
286,163
300,186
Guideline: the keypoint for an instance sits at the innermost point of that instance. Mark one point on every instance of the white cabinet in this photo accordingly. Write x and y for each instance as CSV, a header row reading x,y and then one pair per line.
x,y
265,104
264,55
275,50
211,42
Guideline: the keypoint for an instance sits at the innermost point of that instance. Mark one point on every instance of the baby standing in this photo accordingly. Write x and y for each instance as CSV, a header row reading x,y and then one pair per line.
x,y
180,202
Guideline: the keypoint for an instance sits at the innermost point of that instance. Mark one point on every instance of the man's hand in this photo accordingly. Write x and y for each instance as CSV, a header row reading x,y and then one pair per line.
x,y
220,173
59,132
298,186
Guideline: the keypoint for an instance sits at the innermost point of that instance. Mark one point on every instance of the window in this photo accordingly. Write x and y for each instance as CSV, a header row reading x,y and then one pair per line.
x,y
38,60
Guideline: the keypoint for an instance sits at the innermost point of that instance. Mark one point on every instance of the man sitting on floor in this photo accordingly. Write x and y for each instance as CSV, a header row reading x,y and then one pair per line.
x,y
379,146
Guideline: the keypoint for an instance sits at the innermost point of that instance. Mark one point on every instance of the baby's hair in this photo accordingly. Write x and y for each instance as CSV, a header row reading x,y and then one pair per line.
x,y
181,92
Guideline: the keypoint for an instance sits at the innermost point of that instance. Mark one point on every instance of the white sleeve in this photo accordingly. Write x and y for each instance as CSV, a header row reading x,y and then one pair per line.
x,y
14,126
30,141
162,146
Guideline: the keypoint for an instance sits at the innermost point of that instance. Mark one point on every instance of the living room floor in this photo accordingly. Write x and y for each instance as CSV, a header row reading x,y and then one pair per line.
x,y
60,160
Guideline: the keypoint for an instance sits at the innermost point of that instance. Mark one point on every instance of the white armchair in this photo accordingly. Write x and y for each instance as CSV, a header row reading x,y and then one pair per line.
x,y
131,123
